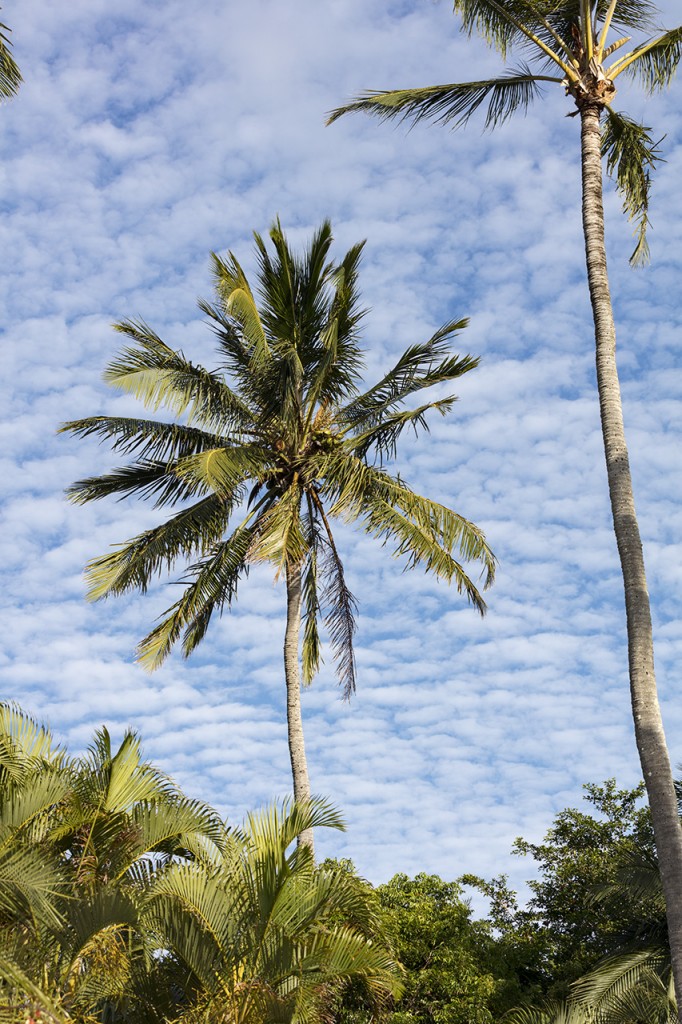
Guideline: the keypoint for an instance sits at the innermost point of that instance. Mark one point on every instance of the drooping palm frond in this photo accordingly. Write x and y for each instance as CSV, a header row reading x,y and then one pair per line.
x,y
453,104
131,566
631,154
637,979
551,1011
10,76
211,584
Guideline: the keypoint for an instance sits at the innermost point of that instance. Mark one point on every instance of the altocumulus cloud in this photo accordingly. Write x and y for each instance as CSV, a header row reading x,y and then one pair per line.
x,y
143,139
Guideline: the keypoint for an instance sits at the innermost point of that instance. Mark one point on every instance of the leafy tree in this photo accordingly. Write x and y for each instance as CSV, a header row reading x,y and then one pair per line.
x,y
566,43
442,950
565,929
634,981
274,449
10,76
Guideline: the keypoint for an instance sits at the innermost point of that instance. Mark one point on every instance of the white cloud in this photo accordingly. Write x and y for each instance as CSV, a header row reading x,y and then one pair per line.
x,y
146,137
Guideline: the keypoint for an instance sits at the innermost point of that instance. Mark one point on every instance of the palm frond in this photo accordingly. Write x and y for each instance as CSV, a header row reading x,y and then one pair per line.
x,y
617,976
631,155
212,583
280,539
223,470
10,76
147,439
310,647
654,63
453,104
133,565
383,438
425,531
157,375
339,608
420,367
240,305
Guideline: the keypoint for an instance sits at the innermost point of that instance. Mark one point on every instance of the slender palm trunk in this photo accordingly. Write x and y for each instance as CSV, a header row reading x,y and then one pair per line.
x,y
649,733
292,674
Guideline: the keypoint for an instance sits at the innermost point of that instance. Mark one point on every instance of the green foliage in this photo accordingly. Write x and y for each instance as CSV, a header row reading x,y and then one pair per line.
x,y
123,901
441,950
577,914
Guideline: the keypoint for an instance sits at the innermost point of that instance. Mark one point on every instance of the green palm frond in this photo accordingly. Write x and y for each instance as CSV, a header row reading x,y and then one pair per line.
x,y
147,439
339,610
383,438
26,746
310,648
654,64
224,470
157,375
552,1011
240,306
115,782
455,103
145,479
280,539
132,566
212,583
170,826
615,978
10,76
631,155
425,532
420,367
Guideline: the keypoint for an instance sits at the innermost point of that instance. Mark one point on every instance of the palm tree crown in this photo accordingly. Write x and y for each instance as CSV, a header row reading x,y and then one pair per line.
x,y
267,452
568,43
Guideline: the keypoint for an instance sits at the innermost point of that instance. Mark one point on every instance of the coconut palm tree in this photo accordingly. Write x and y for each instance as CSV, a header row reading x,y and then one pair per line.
x,y
266,937
568,44
10,76
272,450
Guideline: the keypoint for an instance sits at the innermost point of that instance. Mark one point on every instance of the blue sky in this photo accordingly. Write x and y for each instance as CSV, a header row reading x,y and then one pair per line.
x,y
146,136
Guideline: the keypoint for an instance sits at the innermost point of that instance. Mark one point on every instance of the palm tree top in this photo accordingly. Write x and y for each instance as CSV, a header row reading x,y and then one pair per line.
x,y
583,46
280,440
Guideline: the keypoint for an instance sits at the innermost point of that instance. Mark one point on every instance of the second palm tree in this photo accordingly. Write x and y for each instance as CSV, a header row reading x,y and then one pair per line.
x,y
283,443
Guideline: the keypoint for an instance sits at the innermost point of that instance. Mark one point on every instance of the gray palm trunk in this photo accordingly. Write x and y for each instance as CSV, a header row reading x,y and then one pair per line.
x,y
649,733
292,674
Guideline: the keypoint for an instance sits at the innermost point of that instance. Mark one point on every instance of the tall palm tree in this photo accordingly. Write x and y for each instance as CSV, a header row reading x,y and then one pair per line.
x,y
272,450
567,44
10,75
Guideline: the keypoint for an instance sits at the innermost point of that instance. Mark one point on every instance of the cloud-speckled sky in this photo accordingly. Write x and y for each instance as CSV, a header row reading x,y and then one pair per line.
x,y
147,135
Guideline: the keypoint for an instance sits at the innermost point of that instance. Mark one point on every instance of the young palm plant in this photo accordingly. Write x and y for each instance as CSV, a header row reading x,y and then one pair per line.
x,y
264,936
568,44
272,449
81,843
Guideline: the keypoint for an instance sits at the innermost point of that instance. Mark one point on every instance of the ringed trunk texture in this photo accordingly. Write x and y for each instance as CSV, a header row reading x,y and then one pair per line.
x,y
653,752
292,675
